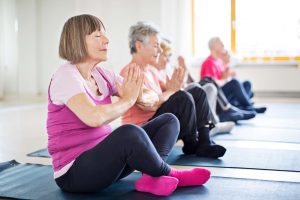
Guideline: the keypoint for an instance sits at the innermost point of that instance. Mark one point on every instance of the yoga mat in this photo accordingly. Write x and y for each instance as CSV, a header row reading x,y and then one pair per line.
x,y
40,153
283,110
282,116
268,159
272,122
31,181
261,134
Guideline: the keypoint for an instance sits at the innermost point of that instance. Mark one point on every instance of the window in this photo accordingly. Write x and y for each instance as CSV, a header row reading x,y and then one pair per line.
x,y
268,28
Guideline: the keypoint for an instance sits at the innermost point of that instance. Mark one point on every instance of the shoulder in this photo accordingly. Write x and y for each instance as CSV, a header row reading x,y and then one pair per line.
x,y
66,70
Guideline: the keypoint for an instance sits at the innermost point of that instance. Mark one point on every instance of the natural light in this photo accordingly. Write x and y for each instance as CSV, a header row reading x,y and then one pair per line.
x,y
267,28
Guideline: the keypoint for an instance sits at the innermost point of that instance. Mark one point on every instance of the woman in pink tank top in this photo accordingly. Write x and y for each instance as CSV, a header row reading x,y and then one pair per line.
x,y
87,154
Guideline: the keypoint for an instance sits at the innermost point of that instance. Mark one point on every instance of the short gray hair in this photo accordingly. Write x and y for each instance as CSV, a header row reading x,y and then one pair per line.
x,y
141,32
212,42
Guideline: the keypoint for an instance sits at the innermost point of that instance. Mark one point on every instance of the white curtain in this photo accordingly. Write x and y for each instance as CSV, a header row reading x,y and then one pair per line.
x,y
176,25
8,47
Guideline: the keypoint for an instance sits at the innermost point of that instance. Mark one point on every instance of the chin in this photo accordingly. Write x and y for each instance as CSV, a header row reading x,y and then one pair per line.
x,y
153,62
103,59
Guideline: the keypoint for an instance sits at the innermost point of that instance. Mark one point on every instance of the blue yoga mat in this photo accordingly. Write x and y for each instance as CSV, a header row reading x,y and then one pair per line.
x,y
280,116
244,158
261,134
31,181
40,153
269,159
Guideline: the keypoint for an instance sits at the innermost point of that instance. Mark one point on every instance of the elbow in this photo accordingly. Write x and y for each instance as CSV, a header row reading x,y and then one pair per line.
x,y
94,120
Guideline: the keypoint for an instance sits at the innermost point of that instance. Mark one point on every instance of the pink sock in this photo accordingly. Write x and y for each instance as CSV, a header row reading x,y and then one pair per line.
x,y
162,185
190,177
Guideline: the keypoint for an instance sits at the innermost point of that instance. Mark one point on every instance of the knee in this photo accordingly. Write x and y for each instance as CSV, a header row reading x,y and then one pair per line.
x,y
131,133
210,88
234,81
172,120
196,89
247,84
183,96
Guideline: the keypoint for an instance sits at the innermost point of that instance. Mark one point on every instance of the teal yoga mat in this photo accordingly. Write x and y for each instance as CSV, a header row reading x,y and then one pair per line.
x,y
261,134
267,159
31,181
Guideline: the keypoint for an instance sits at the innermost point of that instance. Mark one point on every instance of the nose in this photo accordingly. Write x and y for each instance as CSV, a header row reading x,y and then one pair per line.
x,y
105,39
159,49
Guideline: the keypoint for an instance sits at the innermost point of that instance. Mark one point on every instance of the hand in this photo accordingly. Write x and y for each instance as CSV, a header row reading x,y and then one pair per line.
x,y
132,84
176,82
181,61
147,97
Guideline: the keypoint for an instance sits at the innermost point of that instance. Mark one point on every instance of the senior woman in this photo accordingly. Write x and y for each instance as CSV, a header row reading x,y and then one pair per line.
x,y
87,155
190,107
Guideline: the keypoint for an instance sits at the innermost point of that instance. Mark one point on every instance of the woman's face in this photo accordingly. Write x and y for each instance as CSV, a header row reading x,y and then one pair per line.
x,y
164,59
97,46
151,50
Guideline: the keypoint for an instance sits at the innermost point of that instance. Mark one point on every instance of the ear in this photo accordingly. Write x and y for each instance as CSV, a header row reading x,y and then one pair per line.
x,y
139,45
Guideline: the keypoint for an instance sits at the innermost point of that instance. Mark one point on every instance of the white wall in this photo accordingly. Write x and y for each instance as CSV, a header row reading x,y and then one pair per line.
x,y
271,78
117,16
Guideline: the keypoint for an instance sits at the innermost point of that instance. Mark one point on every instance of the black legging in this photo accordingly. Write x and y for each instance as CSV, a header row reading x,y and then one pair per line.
x,y
126,149
192,110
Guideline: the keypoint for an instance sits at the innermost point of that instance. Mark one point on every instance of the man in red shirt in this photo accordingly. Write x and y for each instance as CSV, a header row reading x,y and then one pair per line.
x,y
238,94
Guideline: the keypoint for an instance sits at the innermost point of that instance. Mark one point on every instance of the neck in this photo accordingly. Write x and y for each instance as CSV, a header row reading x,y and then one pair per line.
x,y
139,61
85,69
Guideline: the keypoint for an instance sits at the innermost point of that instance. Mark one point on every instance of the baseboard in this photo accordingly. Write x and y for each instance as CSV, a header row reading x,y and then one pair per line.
x,y
277,94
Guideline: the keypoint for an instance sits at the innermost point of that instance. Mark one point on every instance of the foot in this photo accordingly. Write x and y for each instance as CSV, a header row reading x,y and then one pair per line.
x,y
230,115
190,177
161,186
260,109
222,127
189,148
247,114
212,150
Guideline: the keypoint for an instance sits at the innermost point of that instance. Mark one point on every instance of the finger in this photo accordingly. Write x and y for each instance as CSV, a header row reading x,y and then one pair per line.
x,y
125,80
136,74
130,73
119,88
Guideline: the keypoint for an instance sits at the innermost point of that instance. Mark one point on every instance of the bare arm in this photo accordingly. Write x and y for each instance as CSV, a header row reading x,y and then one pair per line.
x,y
97,115
172,85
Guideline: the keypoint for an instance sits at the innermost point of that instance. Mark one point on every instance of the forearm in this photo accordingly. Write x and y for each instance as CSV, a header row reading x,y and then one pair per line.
x,y
107,113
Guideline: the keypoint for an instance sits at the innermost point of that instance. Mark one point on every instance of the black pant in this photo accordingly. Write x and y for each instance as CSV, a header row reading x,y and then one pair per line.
x,y
192,110
235,92
126,149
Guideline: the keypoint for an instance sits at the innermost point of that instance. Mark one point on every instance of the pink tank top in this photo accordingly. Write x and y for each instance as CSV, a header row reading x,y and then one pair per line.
x,y
68,136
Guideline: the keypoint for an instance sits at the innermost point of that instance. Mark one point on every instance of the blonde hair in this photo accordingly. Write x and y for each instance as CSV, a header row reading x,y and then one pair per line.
x,y
72,46
166,48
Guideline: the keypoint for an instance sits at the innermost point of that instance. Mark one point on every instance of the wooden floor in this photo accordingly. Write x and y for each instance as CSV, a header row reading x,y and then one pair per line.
x,y
23,130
